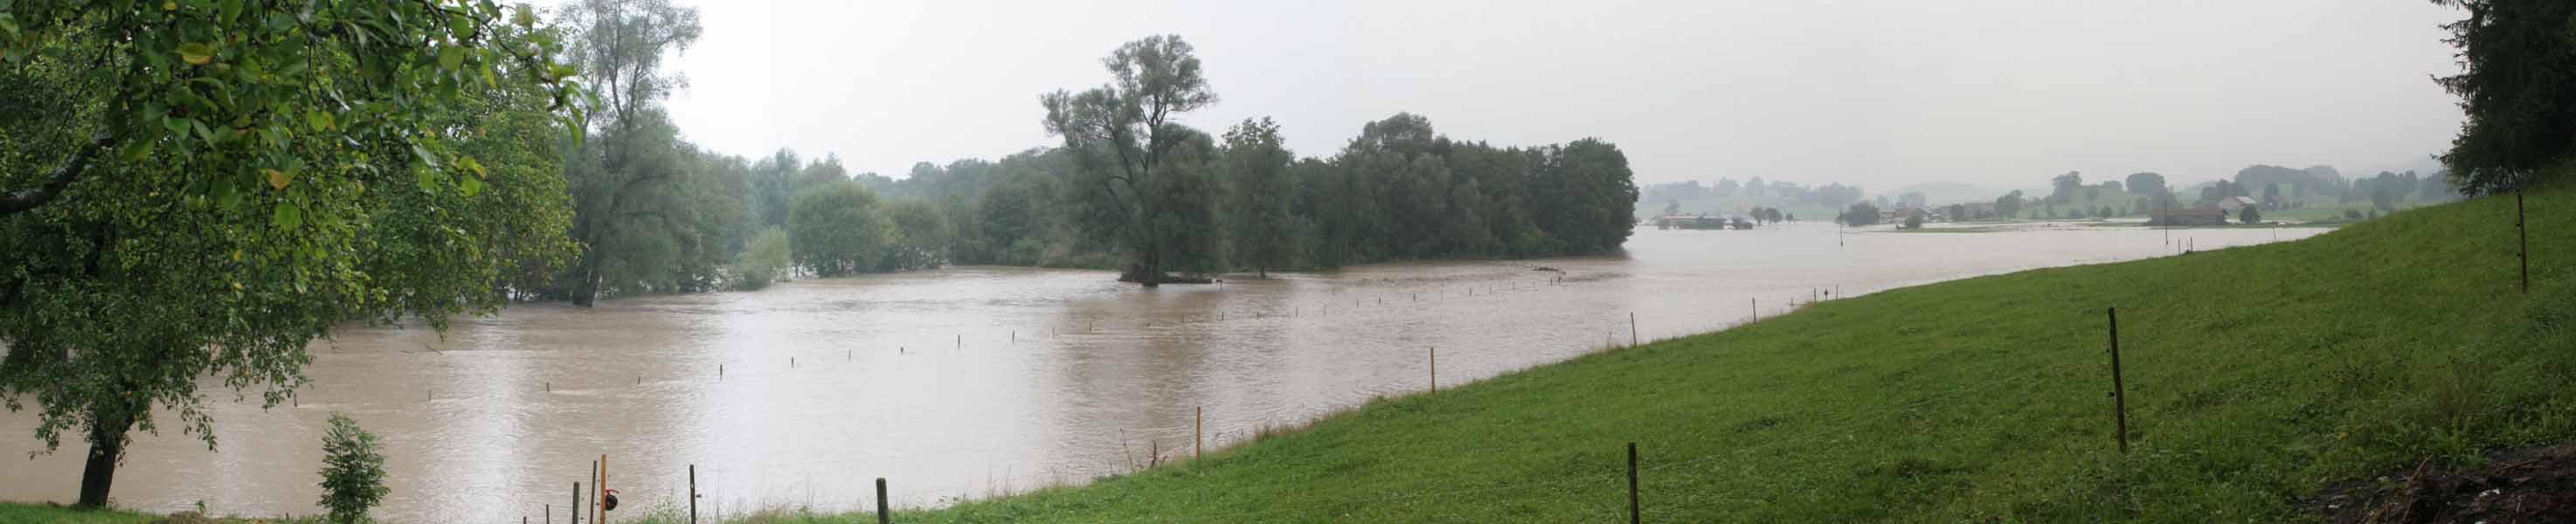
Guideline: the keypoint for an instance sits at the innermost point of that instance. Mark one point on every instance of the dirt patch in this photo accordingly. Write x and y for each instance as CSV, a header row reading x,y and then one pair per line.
x,y
2528,485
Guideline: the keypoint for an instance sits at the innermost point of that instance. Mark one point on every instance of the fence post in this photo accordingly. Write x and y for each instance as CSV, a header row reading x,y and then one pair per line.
x,y
574,510
2522,228
882,516
1632,483
693,494
1632,328
1435,369
1198,431
2119,397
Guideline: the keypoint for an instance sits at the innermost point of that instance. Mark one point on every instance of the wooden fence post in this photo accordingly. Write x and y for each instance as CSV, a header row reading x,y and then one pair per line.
x,y
1198,431
2119,396
883,516
693,494
1632,483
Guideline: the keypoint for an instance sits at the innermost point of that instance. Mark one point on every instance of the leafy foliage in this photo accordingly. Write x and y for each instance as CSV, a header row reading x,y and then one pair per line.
x,y
835,230
353,472
231,180
2517,59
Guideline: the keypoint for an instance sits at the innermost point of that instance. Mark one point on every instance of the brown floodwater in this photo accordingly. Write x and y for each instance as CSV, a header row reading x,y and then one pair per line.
x,y
973,381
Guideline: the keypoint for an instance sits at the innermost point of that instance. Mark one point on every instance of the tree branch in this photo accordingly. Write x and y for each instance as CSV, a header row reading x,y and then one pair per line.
x,y
24,199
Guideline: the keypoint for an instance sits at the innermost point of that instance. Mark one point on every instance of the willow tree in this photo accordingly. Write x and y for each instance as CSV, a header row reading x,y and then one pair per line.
x,y
1141,180
193,188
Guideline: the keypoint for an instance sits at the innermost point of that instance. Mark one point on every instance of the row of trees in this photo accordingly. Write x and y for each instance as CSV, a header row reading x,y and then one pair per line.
x,y
1162,197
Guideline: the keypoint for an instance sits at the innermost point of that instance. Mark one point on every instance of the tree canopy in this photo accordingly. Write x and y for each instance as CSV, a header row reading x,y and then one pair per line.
x,y
228,181
2517,59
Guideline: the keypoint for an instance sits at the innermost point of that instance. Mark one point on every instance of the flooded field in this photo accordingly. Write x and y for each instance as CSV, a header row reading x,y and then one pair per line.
x,y
969,382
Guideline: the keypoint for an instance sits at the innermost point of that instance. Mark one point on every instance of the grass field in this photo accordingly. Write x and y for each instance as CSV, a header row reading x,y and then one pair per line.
x,y
2254,377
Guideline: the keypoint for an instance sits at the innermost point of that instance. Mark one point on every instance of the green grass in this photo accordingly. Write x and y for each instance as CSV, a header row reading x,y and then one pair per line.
x,y
14,513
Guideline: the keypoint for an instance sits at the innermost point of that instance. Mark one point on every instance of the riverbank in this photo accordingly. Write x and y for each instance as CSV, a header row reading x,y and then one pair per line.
x,y
2255,377
1972,398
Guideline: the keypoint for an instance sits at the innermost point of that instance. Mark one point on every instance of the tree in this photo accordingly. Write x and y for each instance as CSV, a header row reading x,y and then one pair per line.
x,y
1256,164
762,261
1726,187
2516,59
920,239
2248,215
1913,220
626,174
834,230
1860,214
353,472
183,201
2148,183
2009,205
2272,192
2062,188
1957,212
1122,137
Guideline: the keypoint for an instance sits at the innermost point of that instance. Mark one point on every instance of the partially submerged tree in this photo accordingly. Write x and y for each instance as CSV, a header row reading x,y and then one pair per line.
x,y
201,188
1264,229
628,178
1124,141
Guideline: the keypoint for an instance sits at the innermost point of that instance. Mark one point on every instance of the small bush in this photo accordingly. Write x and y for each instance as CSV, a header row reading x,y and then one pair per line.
x,y
353,474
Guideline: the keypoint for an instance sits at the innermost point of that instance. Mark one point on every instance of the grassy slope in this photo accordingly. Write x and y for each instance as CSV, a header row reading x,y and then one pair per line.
x,y
2255,375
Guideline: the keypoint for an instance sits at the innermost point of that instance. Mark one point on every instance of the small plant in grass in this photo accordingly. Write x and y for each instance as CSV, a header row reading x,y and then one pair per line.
x,y
353,473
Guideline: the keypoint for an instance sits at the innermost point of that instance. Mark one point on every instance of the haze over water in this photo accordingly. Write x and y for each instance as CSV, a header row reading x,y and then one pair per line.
x,y
966,382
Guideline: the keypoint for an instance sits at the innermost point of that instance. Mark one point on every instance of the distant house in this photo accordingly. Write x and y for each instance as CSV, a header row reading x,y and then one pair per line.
x,y
2236,203
2198,216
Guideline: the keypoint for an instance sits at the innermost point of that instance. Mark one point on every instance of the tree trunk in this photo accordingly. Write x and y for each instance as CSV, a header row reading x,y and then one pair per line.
x,y
1153,276
1265,272
106,448
586,288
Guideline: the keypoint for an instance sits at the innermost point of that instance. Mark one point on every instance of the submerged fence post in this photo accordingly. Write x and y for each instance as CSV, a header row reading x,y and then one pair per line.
x,y
693,494
882,516
575,508
2119,397
1632,483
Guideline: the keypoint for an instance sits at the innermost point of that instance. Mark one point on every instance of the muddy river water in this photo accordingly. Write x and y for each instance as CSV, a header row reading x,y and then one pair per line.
x,y
971,381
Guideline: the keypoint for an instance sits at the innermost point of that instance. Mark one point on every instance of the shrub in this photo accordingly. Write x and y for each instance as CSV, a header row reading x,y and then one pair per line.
x,y
2249,215
1914,221
353,474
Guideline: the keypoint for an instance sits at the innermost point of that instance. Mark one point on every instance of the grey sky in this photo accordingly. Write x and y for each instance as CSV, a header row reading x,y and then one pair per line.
x,y
1879,93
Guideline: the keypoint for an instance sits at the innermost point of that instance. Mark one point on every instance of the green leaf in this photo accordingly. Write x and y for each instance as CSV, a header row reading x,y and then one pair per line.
x,y
196,53
428,181
426,157
470,186
202,132
288,216
319,120
176,125
451,57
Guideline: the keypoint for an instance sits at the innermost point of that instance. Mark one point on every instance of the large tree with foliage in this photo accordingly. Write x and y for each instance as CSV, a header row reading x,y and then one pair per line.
x,y
835,230
200,188
2517,60
1256,162
1129,189
627,177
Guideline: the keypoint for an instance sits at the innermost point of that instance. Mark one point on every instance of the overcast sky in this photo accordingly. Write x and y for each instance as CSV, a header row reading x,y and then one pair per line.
x,y
1879,93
